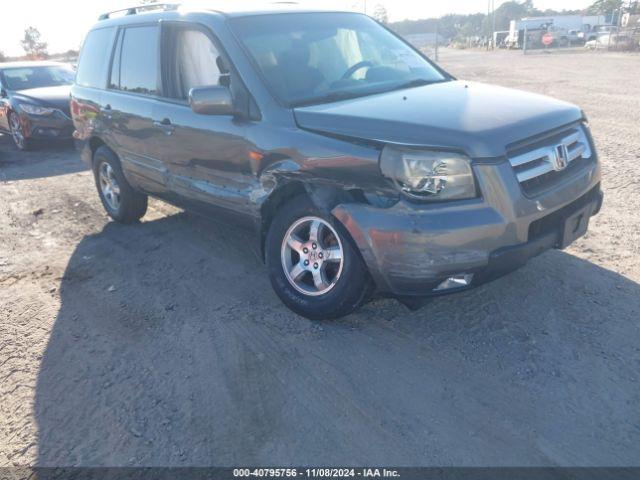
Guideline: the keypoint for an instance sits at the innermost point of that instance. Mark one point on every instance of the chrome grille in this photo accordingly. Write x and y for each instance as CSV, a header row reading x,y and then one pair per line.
x,y
540,166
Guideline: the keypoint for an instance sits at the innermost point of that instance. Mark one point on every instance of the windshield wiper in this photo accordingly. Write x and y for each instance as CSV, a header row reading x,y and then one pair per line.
x,y
330,97
347,94
417,82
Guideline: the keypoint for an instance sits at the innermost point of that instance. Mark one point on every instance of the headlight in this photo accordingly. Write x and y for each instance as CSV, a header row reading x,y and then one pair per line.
x,y
429,175
35,109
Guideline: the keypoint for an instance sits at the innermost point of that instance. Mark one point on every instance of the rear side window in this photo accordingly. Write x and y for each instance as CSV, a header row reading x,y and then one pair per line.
x,y
94,61
138,60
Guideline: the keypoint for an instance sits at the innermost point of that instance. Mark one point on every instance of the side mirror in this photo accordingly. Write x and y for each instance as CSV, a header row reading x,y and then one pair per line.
x,y
212,100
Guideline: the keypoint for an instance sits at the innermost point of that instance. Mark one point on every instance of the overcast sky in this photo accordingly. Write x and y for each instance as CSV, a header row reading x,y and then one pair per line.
x,y
63,23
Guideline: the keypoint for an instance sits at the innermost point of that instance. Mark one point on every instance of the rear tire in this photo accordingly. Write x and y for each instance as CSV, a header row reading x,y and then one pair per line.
x,y
120,200
325,281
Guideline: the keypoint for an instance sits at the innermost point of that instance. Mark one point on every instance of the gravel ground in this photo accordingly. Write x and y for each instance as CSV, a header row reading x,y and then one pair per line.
x,y
163,344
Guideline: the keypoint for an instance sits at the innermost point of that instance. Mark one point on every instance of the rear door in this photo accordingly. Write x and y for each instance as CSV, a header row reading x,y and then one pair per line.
x,y
207,155
127,105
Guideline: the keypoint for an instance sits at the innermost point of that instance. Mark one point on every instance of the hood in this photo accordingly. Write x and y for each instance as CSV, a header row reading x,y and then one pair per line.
x,y
478,119
56,97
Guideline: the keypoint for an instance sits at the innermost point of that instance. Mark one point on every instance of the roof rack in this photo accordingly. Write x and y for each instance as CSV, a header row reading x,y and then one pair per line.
x,y
141,8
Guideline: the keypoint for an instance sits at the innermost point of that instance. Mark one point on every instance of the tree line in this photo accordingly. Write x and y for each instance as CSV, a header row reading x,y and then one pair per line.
x,y
481,24
35,48
449,26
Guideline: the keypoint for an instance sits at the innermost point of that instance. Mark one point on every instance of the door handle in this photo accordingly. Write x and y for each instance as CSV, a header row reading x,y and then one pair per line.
x,y
164,125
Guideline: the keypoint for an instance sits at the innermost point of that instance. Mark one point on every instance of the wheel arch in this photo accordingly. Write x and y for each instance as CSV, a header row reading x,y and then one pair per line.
x,y
324,197
94,144
278,197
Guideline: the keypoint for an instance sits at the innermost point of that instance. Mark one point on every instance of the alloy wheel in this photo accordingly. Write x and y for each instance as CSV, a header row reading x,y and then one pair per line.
x,y
16,131
109,186
312,256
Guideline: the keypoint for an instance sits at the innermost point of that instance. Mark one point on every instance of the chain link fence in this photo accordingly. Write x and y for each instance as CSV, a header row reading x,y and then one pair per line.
x,y
608,38
429,43
623,36
613,32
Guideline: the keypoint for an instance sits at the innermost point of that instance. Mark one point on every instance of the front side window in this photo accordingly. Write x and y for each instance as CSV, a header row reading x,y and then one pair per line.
x,y
139,60
192,60
317,57
38,77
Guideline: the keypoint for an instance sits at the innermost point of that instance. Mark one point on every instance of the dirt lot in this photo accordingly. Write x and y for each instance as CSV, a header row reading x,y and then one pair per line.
x,y
163,344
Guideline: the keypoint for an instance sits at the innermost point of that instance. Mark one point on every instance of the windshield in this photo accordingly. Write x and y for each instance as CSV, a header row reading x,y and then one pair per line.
x,y
308,58
36,77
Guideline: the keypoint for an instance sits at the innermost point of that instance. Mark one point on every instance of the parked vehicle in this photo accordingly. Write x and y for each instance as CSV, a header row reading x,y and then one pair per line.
x,y
598,31
622,42
618,41
635,34
356,162
573,36
34,101
561,36
499,38
594,45
565,29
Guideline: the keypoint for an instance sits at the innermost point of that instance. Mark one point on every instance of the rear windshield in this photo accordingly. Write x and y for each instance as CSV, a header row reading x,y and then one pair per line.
x,y
36,77
310,58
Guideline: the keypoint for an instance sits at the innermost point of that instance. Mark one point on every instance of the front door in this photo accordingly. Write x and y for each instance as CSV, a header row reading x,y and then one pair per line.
x,y
207,155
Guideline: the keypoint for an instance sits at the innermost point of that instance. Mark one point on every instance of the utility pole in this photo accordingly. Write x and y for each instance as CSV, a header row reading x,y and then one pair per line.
x,y
493,24
436,49
488,14
608,37
619,22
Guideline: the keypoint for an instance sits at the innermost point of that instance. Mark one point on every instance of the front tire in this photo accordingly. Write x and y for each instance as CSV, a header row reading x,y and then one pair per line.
x,y
17,133
119,199
313,265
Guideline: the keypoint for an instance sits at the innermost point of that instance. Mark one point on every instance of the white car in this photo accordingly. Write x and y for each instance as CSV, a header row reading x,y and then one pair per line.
x,y
611,42
594,45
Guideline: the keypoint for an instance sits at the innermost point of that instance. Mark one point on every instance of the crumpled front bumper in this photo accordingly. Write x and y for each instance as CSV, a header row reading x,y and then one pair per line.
x,y
411,249
47,127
